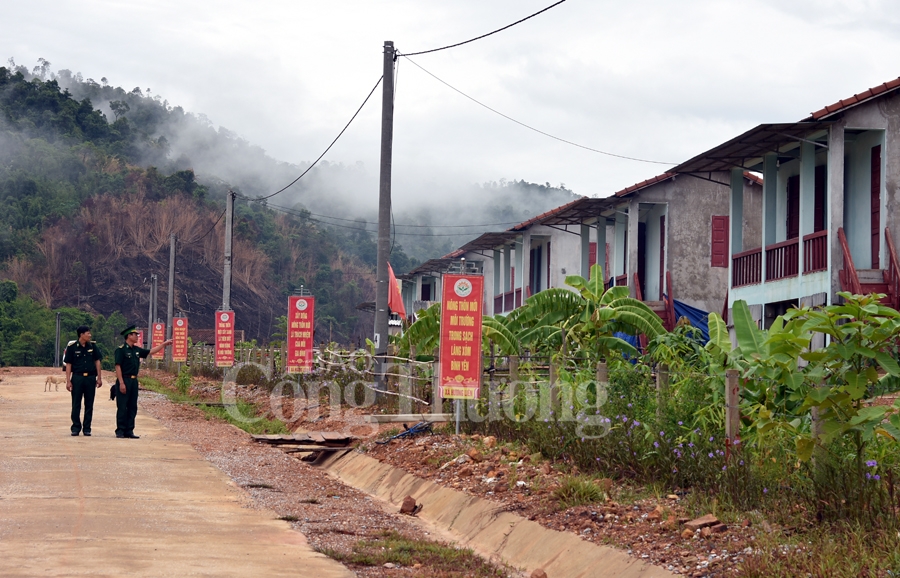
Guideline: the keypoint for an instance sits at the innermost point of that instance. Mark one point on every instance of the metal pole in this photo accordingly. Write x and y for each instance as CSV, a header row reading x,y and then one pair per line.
x,y
384,215
226,278
149,334
171,305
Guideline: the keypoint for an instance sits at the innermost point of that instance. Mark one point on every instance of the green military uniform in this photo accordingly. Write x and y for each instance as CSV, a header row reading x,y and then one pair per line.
x,y
128,358
84,360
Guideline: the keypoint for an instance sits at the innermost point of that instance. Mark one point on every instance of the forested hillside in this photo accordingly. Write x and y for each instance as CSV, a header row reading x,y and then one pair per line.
x,y
94,179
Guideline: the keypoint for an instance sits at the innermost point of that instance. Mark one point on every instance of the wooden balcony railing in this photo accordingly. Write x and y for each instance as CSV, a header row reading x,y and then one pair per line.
x,y
893,272
746,268
848,276
782,260
506,302
815,252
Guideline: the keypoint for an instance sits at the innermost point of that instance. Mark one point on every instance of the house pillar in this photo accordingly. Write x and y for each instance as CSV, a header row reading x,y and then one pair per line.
x,y
835,206
807,196
525,263
498,288
770,204
634,215
418,289
737,210
601,246
586,251
507,268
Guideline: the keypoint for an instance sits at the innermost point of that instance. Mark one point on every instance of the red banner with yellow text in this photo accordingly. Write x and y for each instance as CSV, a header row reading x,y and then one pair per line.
x,y
179,339
157,337
301,321
140,342
224,338
461,304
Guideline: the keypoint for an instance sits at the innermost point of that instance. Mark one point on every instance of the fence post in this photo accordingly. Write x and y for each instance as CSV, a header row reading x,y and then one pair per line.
x,y
437,402
662,388
602,385
732,405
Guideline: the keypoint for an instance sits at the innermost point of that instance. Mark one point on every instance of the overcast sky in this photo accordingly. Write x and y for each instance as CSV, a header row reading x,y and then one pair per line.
x,y
656,79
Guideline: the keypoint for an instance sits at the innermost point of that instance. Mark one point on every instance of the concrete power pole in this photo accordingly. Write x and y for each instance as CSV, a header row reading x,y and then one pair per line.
x,y
226,278
384,215
171,305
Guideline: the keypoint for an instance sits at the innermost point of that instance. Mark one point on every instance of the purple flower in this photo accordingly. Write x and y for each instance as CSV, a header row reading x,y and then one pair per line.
x,y
637,423
742,462
868,476
691,444
877,477
711,455
662,434
711,438
629,405
724,468
871,463
680,423
656,444
765,490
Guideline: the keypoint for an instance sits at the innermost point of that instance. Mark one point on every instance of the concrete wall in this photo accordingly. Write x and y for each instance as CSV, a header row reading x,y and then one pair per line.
x,y
857,195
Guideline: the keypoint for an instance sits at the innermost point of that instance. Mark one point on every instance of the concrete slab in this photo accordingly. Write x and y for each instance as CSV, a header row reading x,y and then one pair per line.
x,y
479,524
101,506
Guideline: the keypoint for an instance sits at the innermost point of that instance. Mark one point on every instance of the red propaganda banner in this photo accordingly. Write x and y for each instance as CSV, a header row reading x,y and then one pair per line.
x,y
179,339
224,338
158,336
141,338
461,304
301,316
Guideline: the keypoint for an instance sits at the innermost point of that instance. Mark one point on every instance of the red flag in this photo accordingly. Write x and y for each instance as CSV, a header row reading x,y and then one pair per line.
x,y
395,300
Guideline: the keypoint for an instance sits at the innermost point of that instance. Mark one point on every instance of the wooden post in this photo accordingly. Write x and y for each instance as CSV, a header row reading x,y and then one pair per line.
x,y
513,368
662,388
732,405
602,386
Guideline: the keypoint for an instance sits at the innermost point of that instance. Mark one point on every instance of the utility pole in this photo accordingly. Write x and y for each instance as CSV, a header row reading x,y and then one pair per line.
x,y
384,215
226,278
171,305
149,335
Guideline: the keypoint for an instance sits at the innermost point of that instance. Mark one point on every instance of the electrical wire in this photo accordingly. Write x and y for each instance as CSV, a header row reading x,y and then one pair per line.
x,y
531,127
485,35
329,146
200,238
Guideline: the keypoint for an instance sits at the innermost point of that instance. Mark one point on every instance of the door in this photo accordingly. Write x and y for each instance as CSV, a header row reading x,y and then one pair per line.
x,y
793,207
876,207
662,255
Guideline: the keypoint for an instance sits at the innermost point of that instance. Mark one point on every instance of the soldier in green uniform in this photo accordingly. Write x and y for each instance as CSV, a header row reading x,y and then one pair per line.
x,y
128,363
83,377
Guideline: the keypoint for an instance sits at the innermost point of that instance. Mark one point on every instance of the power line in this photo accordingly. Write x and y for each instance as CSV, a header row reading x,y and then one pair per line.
x,y
520,123
485,35
329,146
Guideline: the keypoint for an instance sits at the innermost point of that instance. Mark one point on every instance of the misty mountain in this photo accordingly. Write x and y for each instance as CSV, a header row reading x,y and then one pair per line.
x,y
91,169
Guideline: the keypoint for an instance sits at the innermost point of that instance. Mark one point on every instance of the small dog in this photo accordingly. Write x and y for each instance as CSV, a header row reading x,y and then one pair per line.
x,y
53,381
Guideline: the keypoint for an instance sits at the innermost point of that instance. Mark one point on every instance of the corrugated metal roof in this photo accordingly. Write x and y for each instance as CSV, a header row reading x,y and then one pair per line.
x,y
746,150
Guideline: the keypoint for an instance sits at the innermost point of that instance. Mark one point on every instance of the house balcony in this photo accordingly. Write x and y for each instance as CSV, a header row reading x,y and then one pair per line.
x,y
782,260
506,302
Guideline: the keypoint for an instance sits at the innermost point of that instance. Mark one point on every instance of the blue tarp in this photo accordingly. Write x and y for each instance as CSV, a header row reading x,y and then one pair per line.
x,y
698,318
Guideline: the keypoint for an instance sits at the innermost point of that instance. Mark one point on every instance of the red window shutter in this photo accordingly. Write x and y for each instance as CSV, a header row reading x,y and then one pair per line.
x,y
592,255
819,207
719,241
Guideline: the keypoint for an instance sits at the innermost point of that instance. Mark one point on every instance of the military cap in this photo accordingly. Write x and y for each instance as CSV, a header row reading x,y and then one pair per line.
x,y
131,329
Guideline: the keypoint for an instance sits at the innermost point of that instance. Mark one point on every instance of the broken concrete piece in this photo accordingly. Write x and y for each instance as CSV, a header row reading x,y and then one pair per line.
x,y
702,522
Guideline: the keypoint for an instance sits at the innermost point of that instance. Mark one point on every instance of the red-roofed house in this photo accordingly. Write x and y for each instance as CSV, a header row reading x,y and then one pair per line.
x,y
828,207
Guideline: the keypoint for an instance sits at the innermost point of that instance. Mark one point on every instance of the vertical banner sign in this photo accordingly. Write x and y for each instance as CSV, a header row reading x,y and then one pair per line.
x,y
158,336
301,312
461,303
141,339
224,338
179,339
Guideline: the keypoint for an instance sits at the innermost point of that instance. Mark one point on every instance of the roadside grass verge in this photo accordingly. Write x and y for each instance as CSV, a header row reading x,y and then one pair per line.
x,y
436,559
242,414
